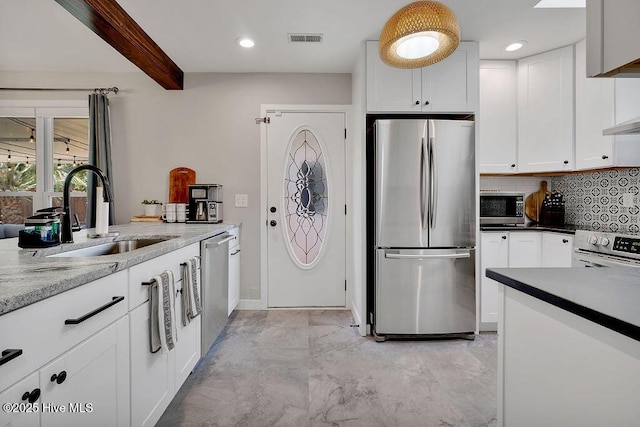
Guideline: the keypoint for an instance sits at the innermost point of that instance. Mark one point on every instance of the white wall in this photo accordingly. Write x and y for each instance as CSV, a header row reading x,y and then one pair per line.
x,y
208,127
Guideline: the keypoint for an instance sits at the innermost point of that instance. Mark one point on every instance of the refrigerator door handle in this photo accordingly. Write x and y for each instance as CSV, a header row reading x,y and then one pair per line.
x,y
423,186
433,180
435,256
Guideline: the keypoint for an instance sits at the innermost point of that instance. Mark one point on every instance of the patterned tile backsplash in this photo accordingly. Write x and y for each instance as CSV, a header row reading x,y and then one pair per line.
x,y
595,200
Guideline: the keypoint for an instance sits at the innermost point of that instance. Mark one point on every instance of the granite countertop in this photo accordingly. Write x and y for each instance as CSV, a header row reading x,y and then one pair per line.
x,y
608,296
566,228
28,275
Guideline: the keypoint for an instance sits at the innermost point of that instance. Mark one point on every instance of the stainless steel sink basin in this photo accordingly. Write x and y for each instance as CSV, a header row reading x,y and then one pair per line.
x,y
110,248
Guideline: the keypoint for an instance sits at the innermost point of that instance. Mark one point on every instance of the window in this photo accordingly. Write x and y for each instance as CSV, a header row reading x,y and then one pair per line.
x,y
38,148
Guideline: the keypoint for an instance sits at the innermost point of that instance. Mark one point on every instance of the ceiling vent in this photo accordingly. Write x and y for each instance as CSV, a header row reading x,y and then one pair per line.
x,y
305,38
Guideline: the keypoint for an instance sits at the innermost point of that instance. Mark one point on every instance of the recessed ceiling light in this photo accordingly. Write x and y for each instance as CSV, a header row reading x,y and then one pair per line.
x,y
245,42
560,3
511,47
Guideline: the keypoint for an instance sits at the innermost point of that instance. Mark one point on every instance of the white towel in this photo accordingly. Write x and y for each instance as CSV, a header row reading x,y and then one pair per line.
x,y
165,302
191,306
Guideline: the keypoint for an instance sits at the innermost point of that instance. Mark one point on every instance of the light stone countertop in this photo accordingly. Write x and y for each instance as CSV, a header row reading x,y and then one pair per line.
x,y
608,296
28,275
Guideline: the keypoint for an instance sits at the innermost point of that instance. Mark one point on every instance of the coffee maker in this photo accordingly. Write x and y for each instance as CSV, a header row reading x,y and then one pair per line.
x,y
205,203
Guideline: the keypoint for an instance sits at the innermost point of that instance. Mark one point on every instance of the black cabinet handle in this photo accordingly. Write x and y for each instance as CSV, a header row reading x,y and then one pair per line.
x,y
565,241
31,396
605,157
59,378
513,165
10,354
504,237
236,252
417,102
426,102
272,209
273,223
81,319
566,162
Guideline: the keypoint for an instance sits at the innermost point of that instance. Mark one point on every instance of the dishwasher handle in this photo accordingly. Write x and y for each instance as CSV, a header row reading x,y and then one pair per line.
x,y
423,256
216,243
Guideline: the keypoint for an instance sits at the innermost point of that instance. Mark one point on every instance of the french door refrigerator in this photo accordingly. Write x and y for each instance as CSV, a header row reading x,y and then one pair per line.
x,y
425,230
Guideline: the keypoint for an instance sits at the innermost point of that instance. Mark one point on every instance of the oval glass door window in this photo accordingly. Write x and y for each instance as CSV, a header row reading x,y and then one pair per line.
x,y
305,198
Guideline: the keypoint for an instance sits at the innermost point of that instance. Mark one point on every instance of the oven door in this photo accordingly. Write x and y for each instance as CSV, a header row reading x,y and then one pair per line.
x,y
589,259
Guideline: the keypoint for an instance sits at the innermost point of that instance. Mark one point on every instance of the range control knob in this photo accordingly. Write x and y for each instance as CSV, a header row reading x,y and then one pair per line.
x,y
592,240
604,241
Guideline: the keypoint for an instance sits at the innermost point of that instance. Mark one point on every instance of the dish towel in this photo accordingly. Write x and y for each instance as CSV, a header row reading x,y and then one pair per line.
x,y
191,305
162,322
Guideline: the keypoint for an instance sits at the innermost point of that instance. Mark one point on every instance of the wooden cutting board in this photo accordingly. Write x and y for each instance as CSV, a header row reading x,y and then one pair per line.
x,y
534,201
179,180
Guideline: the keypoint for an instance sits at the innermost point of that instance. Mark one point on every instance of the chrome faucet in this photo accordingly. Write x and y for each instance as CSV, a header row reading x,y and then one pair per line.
x,y
67,235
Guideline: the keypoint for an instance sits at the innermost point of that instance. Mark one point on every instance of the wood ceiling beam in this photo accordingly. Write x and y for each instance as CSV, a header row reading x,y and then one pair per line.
x,y
113,24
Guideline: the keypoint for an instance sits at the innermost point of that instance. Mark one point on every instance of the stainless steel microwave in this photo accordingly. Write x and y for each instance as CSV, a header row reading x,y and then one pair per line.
x,y
498,208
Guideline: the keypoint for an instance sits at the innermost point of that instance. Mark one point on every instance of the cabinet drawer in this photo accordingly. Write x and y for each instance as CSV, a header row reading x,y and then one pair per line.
x,y
145,271
39,330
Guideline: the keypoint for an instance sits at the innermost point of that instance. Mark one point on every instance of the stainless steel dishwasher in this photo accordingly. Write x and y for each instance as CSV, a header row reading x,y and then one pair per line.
x,y
215,287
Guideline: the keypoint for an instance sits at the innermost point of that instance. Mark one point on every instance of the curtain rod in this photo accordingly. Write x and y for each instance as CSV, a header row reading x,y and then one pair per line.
x,y
103,90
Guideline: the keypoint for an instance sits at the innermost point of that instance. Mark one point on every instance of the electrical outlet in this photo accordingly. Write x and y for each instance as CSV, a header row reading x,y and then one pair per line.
x,y
627,200
242,200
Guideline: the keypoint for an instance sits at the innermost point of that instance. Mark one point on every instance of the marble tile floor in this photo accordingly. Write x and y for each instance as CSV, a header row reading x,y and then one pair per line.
x,y
310,368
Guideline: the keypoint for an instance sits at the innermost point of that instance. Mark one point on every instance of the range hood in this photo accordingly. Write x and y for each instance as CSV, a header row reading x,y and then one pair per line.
x,y
631,127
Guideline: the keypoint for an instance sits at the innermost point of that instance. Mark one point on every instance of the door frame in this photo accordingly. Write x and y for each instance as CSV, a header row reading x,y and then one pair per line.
x,y
292,108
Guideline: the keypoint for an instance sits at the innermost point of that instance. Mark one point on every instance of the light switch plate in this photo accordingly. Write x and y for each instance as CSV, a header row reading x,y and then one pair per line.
x,y
627,200
242,200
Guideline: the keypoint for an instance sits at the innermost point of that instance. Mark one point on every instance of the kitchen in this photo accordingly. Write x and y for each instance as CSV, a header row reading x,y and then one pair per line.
x,y
218,110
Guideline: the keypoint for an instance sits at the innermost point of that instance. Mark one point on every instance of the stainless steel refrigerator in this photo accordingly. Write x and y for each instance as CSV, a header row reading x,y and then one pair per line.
x,y
425,230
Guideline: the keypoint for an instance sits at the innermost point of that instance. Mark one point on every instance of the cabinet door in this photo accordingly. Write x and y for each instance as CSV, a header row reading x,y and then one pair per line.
x,y
494,253
28,386
556,250
90,381
389,88
497,127
451,85
152,374
594,112
525,249
234,277
545,111
187,350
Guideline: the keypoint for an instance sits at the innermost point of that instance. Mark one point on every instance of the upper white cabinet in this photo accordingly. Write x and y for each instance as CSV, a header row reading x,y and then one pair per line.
x,y
447,86
601,103
497,127
612,28
545,111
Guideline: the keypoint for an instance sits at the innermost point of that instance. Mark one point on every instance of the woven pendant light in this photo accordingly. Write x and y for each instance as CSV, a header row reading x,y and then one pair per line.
x,y
419,34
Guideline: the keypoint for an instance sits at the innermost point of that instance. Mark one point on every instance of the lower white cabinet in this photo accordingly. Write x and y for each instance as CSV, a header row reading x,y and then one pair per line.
x,y
234,270
19,394
187,349
516,249
152,375
556,249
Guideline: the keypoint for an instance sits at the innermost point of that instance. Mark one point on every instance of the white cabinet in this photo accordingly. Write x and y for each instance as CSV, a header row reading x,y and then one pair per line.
x,y
525,249
612,25
26,392
91,381
545,111
152,375
556,249
494,247
497,125
234,269
450,85
188,348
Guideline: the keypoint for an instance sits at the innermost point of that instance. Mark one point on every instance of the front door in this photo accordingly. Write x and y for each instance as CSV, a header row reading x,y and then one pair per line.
x,y
306,209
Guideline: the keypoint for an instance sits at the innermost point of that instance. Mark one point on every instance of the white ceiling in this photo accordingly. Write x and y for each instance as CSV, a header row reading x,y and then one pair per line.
x,y
199,35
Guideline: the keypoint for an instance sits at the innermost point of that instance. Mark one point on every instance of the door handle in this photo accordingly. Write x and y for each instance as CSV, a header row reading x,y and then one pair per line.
x,y
81,319
435,256
217,243
10,354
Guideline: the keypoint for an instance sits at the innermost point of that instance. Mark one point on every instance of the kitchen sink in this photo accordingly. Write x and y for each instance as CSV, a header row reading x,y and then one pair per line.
x,y
111,248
